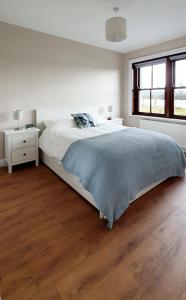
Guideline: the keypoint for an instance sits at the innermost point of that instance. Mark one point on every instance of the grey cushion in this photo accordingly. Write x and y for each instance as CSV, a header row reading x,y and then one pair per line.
x,y
84,120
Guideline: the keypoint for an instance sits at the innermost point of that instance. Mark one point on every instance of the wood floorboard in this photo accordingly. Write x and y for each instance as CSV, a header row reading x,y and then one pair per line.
x,y
172,228
53,246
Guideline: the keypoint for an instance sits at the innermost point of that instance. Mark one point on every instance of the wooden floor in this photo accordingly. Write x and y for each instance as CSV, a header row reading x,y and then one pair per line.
x,y
53,245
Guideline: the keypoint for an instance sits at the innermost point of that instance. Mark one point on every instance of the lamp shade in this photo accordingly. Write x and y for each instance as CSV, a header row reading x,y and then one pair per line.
x,y
116,29
18,115
110,108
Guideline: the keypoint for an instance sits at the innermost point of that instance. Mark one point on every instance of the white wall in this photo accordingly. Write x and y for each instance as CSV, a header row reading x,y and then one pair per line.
x,y
38,70
178,43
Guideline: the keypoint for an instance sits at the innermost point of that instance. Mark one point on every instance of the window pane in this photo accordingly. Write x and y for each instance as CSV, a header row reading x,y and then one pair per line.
x,y
180,73
158,101
180,102
144,101
145,77
159,72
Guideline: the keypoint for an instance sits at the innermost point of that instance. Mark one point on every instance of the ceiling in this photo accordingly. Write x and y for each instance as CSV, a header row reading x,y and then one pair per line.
x,y
149,22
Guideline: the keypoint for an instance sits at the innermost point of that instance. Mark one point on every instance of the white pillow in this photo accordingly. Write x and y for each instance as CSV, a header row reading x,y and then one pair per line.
x,y
63,123
48,123
99,119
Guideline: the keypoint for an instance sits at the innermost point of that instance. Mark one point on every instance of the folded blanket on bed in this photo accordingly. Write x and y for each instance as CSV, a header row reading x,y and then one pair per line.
x,y
114,167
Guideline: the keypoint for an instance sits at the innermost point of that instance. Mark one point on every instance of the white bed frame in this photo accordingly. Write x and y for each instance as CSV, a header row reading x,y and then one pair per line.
x,y
57,167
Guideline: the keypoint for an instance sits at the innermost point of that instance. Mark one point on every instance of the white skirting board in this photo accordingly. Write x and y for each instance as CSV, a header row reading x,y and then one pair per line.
x,y
3,163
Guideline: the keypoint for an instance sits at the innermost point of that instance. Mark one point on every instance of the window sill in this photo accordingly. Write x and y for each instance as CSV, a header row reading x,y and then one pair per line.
x,y
160,119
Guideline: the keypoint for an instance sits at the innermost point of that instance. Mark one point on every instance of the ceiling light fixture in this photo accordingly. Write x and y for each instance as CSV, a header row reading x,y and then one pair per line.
x,y
116,28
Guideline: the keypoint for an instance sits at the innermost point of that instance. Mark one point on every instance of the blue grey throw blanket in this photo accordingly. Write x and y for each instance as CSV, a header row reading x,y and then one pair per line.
x,y
114,167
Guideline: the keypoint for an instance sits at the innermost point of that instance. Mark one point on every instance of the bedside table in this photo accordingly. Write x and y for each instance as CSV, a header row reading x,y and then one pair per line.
x,y
21,146
117,121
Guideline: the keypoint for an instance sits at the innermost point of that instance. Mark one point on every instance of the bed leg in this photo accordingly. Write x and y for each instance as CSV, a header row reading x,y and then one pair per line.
x,y
101,216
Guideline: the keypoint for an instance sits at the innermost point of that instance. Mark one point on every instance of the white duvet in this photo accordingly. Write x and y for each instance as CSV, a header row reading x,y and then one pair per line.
x,y
55,141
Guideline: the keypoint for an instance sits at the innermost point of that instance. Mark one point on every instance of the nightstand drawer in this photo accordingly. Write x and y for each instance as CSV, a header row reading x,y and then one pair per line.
x,y
23,155
23,140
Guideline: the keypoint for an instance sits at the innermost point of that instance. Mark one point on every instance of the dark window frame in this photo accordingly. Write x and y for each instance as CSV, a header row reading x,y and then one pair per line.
x,y
169,85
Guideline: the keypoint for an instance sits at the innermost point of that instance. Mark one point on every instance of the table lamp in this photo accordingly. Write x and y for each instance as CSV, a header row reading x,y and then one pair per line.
x,y
110,109
18,115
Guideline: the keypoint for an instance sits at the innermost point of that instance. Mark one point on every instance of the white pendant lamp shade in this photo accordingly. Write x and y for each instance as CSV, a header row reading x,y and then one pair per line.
x,y
116,28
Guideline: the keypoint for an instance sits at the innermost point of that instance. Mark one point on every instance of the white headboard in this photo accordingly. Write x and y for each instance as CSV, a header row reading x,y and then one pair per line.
x,y
64,113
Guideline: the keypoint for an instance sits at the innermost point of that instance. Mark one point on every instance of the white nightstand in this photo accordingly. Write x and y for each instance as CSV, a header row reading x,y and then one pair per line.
x,y
21,146
117,121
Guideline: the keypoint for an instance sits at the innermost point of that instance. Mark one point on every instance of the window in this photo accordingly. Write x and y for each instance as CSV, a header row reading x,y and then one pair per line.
x,y
159,87
180,88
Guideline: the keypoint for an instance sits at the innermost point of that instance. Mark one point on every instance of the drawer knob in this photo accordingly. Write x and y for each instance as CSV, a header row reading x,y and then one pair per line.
x,y
24,141
24,154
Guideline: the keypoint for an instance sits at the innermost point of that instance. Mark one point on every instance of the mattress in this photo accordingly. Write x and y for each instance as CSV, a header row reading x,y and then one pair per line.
x,y
54,142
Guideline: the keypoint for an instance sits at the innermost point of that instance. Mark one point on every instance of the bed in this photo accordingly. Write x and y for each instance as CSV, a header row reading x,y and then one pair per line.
x,y
56,143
